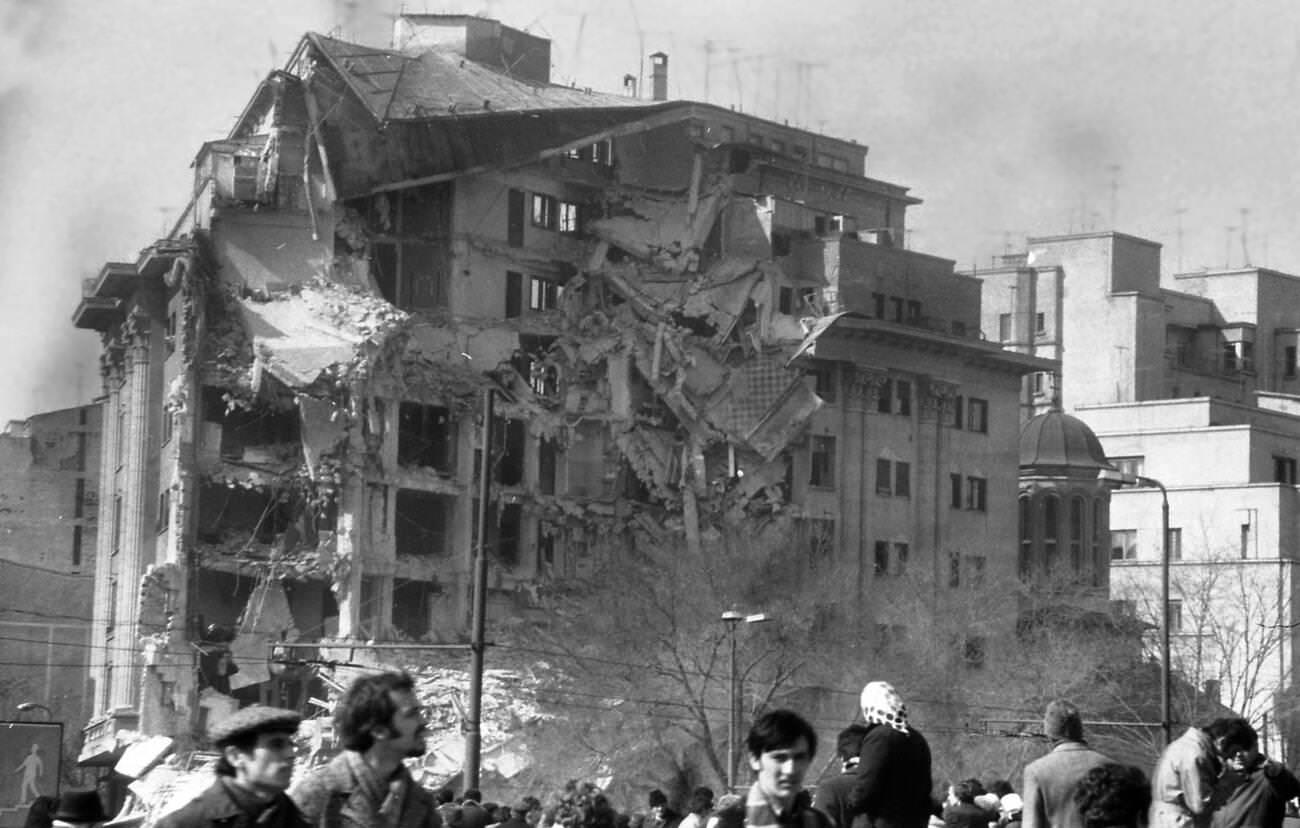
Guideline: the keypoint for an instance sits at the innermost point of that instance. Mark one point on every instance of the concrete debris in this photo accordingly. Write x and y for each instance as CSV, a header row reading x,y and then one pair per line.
x,y
662,230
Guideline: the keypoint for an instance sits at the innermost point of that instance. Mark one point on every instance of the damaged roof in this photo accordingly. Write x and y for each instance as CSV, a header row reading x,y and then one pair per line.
x,y
437,84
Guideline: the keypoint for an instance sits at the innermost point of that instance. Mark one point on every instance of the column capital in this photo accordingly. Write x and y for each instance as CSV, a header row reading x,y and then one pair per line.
x,y
937,398
864,385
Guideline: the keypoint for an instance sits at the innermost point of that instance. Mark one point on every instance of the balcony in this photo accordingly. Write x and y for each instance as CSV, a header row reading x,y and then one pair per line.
x,y
99,736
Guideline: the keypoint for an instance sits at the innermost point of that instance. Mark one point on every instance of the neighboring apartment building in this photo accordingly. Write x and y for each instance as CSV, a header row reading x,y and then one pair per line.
x,y
1190,380
49,504
676,310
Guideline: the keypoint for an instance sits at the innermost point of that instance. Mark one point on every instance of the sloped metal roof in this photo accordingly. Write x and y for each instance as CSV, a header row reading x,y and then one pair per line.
x,y
437,84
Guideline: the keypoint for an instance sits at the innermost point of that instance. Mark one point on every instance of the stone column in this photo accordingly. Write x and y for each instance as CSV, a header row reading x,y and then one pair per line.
x,y
135,508
110,369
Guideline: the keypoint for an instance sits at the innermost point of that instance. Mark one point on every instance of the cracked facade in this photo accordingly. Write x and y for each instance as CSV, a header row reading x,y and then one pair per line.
x,y
689,316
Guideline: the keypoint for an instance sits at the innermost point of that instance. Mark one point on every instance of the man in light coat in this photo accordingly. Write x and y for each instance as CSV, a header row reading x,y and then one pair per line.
x,y
1185,778
1050,780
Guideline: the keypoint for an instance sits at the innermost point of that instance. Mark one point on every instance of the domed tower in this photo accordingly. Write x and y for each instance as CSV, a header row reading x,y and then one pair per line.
x,y
1064,507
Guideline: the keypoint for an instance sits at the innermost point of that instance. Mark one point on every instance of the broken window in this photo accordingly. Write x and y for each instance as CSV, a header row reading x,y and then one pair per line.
x,y
426,436
509,437
822,466
785,300
412,605
250,515
897,304
243,428
543,294
977,494
878,305
423,523
545,211
913,311
955,501
515,219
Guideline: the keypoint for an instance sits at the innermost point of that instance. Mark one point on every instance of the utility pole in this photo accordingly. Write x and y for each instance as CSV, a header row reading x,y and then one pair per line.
x,y
474,719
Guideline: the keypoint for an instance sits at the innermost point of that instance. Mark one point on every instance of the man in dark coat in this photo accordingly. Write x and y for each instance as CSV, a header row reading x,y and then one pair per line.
x,y
1253,790
893,785
833,795
1050,780
255,768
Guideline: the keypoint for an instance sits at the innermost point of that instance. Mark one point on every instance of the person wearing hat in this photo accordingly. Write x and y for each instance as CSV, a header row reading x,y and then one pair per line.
x,y
78,809
893,786
380,723
253,773
1050,781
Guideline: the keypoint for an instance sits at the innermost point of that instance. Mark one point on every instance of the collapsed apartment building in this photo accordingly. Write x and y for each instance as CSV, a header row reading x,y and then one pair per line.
x,y
683,313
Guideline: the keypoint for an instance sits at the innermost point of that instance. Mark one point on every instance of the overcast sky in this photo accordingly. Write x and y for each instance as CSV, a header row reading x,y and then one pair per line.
x,y
1009,119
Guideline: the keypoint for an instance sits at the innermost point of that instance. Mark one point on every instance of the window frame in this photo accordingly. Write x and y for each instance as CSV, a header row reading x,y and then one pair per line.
x,y
543,211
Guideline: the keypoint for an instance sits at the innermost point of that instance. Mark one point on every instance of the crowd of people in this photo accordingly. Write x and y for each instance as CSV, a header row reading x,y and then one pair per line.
x,y
1210,777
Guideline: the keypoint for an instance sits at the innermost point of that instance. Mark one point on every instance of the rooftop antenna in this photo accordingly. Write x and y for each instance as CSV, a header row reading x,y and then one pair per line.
x,y
735,71
1227,245
1178,214
640,48
708,64
1114,196
1245,251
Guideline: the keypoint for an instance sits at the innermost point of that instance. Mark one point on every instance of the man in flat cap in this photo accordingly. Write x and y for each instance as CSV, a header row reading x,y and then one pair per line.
x,y
254,770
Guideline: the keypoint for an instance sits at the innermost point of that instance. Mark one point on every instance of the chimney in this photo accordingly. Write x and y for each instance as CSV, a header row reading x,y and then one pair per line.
x,y
659,76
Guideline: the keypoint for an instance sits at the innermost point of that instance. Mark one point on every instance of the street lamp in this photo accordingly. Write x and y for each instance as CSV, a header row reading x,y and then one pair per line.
x,y
1166,722
731,618
27,707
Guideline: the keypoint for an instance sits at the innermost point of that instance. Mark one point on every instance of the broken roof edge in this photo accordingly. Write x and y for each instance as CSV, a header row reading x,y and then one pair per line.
x,y
255,99
852,323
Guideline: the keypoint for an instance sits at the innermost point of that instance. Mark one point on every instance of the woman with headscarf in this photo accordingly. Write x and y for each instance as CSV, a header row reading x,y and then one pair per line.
x,y
893,785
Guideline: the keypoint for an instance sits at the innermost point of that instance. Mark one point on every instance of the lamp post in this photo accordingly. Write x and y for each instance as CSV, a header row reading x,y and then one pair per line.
x,y
1166,723
731,618
28,707
1166,720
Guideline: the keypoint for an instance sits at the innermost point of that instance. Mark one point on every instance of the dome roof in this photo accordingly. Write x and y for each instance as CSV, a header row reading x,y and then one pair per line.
x,y
1056,440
